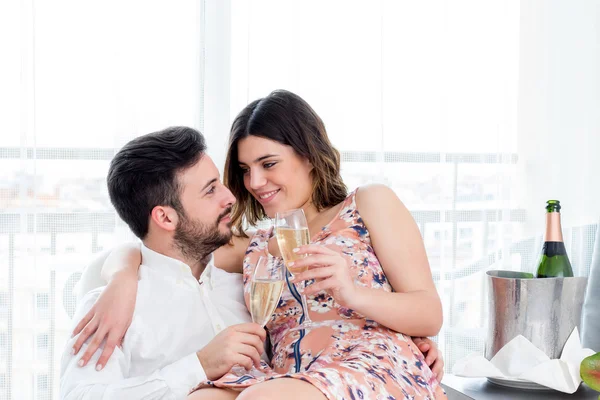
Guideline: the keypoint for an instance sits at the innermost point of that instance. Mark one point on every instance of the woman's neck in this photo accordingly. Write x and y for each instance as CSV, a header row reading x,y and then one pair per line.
x,y
310,212
318,219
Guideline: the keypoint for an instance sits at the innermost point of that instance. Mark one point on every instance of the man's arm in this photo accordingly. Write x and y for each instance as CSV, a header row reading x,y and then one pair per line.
x,y
170,382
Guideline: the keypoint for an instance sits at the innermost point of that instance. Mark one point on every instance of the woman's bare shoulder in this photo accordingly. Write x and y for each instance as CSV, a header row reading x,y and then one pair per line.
x,y
230,257
374,196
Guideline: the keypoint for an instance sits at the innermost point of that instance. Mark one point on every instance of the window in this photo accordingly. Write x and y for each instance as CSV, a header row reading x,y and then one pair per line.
x,y
41,386
4,304
42,344
3,387
4,345
466,233
42,305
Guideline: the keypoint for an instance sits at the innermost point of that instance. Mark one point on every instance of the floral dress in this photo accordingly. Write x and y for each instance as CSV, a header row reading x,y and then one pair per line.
x,y
354,359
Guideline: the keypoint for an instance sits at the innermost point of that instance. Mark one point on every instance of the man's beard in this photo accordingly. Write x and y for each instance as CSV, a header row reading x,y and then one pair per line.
x,y
196,240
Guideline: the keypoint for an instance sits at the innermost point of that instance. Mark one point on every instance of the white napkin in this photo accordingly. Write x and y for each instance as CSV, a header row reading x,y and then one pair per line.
x,y
520,359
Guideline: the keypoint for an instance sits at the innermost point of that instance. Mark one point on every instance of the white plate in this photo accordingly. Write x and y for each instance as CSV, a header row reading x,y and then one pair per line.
x,y
517,384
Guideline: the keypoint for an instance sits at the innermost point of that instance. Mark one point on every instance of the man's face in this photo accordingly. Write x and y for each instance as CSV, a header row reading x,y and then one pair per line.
x,y
205,223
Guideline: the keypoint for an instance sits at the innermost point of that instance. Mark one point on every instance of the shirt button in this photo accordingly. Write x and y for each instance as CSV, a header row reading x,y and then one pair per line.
x,y
219,327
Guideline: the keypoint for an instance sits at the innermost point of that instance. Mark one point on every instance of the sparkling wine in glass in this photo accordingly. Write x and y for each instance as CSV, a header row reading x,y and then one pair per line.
x,y
291,230
290,238
265,290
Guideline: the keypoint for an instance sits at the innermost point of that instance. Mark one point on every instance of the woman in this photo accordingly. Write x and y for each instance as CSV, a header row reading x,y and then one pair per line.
x,y
366,256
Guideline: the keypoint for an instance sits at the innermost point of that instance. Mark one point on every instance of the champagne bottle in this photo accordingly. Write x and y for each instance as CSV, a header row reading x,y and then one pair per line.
x,y
553,261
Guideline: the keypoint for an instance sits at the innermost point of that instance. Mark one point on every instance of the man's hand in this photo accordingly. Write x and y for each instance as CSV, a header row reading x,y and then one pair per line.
x,y
237,345
433,358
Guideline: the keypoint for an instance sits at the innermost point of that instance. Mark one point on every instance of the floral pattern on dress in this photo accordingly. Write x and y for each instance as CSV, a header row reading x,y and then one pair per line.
x,y
356,358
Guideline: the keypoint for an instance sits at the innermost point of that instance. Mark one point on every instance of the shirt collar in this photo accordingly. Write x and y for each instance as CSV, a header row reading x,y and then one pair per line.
x,y
172,267
207,274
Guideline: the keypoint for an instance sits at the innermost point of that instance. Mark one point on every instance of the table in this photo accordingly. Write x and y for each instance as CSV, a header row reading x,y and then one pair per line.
x,y
459,388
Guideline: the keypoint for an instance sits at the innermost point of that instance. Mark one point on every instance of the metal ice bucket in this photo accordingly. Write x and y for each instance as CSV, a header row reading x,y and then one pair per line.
x,y
543,310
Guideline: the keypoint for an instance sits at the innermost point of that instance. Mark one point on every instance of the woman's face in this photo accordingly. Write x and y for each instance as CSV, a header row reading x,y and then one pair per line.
x,y
274,174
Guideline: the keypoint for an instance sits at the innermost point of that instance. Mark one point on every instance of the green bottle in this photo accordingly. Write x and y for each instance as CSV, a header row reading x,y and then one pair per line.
x,y
554,262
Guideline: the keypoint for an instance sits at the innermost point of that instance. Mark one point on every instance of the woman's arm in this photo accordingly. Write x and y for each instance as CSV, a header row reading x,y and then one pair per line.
x,y
110,317
91,278
414,308
123,259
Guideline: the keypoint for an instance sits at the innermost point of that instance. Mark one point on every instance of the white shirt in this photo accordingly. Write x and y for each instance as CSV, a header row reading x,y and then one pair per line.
x,y
175,316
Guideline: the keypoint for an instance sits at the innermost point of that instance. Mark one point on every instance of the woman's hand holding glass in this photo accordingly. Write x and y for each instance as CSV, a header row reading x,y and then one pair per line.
x,y
291,229
330,271
293,239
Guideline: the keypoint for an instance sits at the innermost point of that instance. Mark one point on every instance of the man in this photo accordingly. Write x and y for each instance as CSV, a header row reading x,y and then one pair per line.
x,y
168,190
190,321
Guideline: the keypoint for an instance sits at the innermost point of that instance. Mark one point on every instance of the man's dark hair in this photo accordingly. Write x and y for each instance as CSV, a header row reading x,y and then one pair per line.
x,y
143,174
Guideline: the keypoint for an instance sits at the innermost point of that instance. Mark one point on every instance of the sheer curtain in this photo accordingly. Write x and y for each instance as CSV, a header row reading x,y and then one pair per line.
x,y
78,79
474,112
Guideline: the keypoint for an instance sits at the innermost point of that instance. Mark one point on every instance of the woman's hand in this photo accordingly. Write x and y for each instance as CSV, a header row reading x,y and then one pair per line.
x,y
433,358
329,269
108,319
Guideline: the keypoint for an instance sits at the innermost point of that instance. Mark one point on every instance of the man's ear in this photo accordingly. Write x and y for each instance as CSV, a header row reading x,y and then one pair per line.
x,y
165,217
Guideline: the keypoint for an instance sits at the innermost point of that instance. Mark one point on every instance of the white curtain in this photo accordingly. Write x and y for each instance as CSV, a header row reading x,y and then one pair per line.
x,y
474,112
78,79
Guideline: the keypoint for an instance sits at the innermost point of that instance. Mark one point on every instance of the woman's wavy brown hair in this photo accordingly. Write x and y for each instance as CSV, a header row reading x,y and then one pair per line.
x,y
286,118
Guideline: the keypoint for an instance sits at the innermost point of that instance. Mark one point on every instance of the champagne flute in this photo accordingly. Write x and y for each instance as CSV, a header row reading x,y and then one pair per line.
x,y
291,230
267,284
